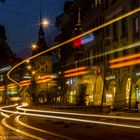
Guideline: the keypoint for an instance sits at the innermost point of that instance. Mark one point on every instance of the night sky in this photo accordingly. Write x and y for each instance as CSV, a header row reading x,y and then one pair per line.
x,y
21,18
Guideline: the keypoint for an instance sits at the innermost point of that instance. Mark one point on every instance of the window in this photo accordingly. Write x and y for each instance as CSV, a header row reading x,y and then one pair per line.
x,y
98,3
107,31
106,4
113,1
136,2
124,26
125,52
136,25
115,30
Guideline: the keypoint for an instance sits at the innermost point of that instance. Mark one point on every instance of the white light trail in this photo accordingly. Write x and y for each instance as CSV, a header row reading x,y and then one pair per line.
x,y
5,115
8,106
78,114
73,119
41,130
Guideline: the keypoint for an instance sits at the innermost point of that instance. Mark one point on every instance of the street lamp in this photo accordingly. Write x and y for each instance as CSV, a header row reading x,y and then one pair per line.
x,y
44,22
29,67
34,46
33,72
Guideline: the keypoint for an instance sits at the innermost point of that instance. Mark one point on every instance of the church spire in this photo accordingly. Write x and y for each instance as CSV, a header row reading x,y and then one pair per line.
x,y
79,16
78,27
41,30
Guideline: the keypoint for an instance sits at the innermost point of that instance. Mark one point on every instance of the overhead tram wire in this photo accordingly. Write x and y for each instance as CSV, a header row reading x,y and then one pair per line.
x,y
70,40
22,5
37,3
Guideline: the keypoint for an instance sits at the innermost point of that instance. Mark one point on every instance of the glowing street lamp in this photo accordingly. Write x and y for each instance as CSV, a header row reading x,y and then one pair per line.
x,y
33,72
27,61
34,46
29,67
45,22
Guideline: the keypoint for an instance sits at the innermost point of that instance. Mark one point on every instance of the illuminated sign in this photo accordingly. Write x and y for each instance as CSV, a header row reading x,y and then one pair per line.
x,y
110,77
27,76
83,40
138,74
109,98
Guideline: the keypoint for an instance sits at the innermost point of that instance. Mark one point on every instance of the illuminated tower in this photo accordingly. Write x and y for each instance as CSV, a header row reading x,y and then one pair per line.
x,y
78,48
42,65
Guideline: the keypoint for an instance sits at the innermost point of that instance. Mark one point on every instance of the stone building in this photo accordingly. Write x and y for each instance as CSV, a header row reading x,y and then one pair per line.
x,y
114,79
41,66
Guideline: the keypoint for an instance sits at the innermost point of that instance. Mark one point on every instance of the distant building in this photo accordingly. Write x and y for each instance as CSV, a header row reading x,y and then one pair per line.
x,y
7,57
7,60
106,83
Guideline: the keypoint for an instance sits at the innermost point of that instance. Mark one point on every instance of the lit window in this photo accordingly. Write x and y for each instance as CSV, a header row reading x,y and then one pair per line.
x,y
136,25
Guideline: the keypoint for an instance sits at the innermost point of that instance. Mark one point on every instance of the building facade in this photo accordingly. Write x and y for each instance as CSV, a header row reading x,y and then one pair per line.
x,y
41,68
7,60
112,68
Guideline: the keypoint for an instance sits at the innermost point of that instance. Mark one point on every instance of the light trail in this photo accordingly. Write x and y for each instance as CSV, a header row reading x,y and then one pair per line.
x,y
19,131
81,120
125,58
133,45
73,119
124,64
8,106
77,114
3,109
41,130
76,74
75,70
5,115
70,40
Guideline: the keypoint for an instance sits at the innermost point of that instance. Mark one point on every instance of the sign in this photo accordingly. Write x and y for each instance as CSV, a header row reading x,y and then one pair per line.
x,y
112,77
83,40
109,98
138,74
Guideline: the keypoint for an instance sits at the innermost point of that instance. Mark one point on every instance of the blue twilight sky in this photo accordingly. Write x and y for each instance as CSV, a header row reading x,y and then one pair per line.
x,y
21,18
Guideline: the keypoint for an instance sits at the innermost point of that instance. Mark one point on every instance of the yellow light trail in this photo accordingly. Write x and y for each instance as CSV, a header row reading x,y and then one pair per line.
x,y
17,119
19,131
70,40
